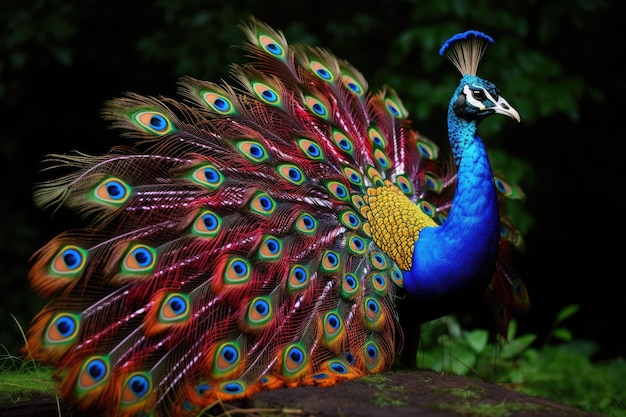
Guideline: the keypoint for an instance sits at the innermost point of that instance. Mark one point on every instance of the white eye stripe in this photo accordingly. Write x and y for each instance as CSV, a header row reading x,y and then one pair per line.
x,y
469,96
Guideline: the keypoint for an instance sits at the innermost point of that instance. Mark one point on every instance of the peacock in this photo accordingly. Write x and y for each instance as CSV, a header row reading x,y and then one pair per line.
x,y
259,234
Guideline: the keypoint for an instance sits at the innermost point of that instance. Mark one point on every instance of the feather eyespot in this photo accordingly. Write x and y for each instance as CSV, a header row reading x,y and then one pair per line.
x,y
502,186
395,109
379,261
427,149
291,173
338,367
432,183
154,122
139,259
294,360
298,278
357,201
379,283
207,175
317,107
350,219
266,93
227,358
270,248
381,159
112,191
338,190
372,307
322,71
507,190
332,326
174,308
356,245
232,387
62,329
69,261
263,204
353,176
350,286
259,312
376,137
270,45
344,143
374,175
206,224
397,276
352,85
254,151
310,149
305,223
219,103
404,184
330,261
202,388
136,386
95,372
237,271
372,356
428,208
373,314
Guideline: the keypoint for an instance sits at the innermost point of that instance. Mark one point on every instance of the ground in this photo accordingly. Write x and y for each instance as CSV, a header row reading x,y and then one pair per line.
x,y
422,393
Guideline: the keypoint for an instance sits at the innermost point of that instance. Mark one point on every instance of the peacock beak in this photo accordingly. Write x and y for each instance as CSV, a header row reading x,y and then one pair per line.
x,y
503,107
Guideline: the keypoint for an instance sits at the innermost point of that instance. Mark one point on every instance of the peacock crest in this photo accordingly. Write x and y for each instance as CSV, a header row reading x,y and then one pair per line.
x,y
258,234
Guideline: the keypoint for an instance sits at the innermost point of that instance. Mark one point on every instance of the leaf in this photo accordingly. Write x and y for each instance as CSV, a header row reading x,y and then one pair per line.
x,y
477,339
460,360
562,334
516,346
566,313
512,329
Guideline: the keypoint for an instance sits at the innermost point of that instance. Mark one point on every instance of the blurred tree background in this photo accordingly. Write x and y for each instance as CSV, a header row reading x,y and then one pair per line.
x,y
554,61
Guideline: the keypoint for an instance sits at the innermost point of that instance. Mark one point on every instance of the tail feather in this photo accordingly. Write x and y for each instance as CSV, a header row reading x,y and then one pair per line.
x,y
227,250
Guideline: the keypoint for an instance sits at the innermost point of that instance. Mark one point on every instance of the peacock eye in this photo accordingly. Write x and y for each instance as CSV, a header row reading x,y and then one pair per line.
x,y
479,94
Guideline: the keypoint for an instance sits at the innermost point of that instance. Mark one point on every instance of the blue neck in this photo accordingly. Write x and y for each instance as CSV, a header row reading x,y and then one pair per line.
x,y
458,258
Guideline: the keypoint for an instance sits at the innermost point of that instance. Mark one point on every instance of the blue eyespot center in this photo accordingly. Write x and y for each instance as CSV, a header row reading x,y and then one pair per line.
x,y
65,326
299,274
139,385
221,104
177,304
240,268
143,257
274,49
158,122
266,203
97,369
261,307
72,258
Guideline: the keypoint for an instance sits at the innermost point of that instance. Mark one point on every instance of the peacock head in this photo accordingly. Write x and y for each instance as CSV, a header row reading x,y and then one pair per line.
x,y
475,97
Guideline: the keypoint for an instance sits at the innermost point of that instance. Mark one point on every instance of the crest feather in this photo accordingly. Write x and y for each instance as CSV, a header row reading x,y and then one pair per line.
x,y
465,50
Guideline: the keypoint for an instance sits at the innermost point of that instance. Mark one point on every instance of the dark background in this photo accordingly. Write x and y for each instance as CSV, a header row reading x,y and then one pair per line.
x,y
557,63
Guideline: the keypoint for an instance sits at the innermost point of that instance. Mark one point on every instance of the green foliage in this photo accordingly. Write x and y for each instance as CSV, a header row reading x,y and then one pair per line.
x,y
562,370
39,35
19,378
